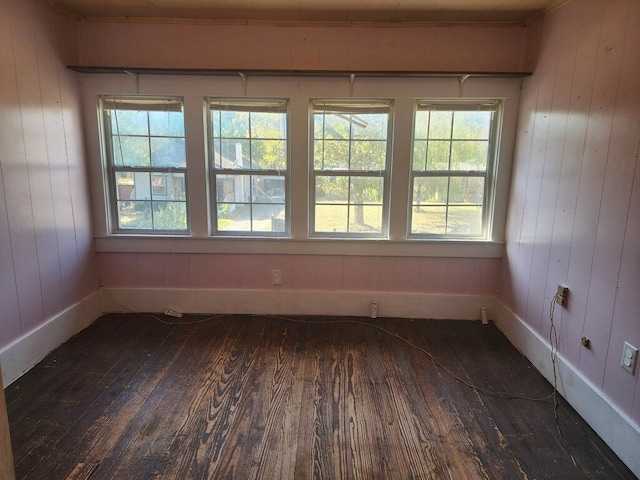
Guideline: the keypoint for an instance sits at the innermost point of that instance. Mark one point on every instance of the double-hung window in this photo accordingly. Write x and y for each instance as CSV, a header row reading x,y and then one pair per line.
x,y
146,163
452,167
350,164
248,156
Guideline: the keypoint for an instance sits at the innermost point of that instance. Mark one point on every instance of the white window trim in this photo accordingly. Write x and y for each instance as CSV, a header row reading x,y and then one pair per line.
x,y
110,168
384,104
404,92
213,172
466,104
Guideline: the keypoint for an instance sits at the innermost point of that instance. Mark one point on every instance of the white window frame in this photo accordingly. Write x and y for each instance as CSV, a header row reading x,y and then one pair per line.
x,y
252,105
488,194
300,91
349,109
147,103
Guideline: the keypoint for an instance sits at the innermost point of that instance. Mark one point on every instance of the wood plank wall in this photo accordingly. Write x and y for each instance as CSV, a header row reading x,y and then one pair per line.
x,y
575,202
46,248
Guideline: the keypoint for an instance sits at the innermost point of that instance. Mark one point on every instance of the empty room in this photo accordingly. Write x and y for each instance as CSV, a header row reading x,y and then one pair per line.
x,y
340,239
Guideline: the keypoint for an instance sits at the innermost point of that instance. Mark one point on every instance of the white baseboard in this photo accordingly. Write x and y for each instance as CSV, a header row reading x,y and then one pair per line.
x,y
619,431
299,302
19,356
22,354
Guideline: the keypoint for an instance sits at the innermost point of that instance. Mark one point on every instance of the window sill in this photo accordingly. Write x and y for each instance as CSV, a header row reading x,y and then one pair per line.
x,y
288,246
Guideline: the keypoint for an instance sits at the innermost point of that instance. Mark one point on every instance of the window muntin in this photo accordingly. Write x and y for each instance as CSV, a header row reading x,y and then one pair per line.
x,y
350,168
452,163
248,143
146,162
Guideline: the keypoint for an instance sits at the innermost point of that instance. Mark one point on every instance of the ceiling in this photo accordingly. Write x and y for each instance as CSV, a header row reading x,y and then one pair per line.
x,y
311,11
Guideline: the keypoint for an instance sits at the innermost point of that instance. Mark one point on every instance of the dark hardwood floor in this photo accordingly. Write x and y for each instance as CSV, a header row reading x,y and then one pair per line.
x,y
252,397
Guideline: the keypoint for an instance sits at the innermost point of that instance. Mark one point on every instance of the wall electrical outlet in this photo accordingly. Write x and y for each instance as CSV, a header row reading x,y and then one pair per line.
x,y
629,358
562,297
276,277
374,309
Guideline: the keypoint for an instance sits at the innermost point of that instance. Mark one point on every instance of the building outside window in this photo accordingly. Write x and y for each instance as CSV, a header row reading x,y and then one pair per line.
x,y
350,164
146,163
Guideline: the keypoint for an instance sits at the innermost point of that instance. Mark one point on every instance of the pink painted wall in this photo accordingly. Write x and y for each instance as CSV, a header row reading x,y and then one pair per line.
x,y
47,259
301,47
452,48
575,204
301,272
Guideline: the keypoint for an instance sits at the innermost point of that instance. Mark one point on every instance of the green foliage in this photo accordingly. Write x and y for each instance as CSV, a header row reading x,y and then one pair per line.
x,y
261,135
169,216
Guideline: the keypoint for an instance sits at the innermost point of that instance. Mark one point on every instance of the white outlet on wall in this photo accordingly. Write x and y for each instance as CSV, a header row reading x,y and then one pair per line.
x,y
629,358
276,277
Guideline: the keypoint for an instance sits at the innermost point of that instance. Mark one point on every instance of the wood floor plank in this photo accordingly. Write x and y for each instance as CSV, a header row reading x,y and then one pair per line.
x,y
156,420
267,459
461,458
251,397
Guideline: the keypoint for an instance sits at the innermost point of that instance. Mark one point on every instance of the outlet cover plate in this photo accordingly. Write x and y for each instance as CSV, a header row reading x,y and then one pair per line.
x,y
629,358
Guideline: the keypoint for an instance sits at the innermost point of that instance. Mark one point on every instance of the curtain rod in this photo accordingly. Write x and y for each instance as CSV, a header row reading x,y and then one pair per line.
x,y
292,73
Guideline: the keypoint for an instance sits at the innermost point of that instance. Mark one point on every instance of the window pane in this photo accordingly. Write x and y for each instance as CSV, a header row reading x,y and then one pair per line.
x,y
465,220
234,217
247,203
469,155
369,126
365,218
332,155
335,126
318,126
166,124
131,151
168,186
135,215
438,155
268,125
368,155
169,215
234,124
141,185
430,190
268,189
421,126
233,188
331,218
440,125
234,153
168,152
429,220
469,190
125,186
268,218
367,190
472,125
159,186
332,189
268,154
419,155
129,122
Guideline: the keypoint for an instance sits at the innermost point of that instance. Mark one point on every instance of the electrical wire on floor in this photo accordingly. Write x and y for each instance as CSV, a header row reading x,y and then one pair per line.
x,y
553,342
434,360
